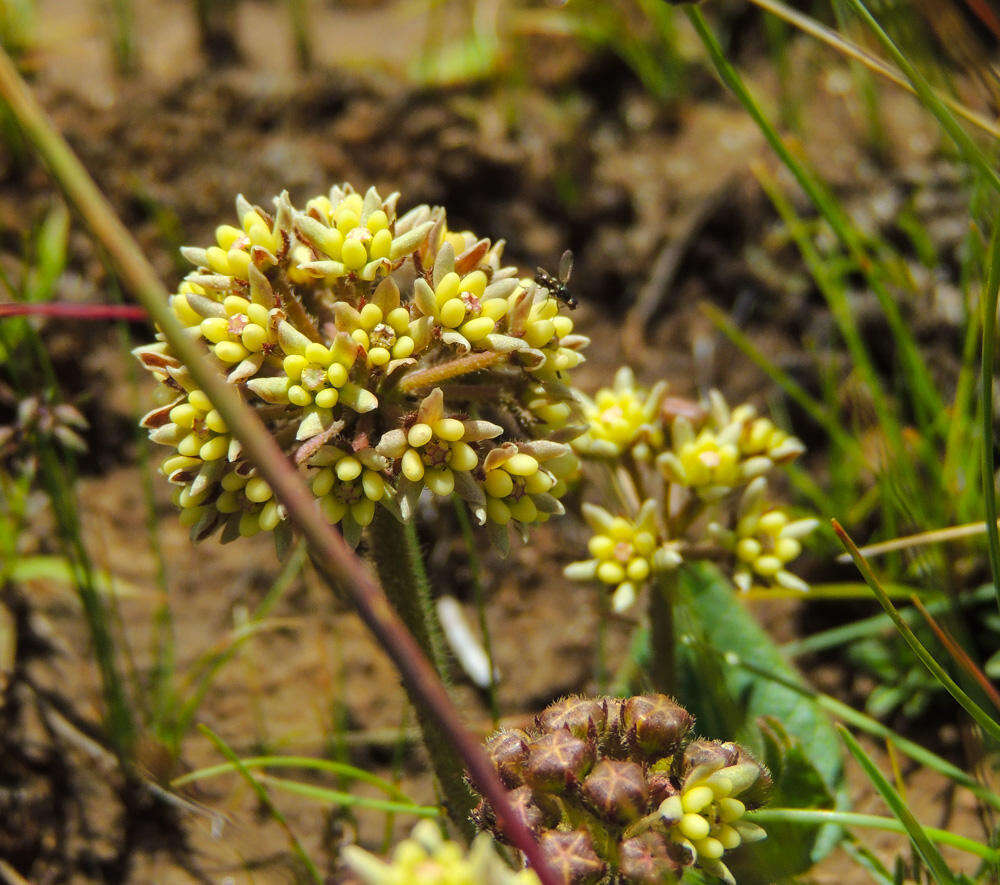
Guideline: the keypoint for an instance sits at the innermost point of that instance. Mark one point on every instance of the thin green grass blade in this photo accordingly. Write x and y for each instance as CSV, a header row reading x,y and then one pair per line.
x,y
967,147
336,797
865,723
796,392
927,400
207,667
340,769
851,50
862,629
920,839
990,299
265,800
987,723
925,835
866,859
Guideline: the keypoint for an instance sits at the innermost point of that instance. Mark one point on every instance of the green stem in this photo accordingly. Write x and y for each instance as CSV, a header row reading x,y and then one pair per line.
x,y
662,633
812,816
396,557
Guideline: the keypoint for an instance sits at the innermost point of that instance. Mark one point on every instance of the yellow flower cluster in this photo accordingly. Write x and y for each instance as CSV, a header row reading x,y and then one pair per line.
x,y
624,552
764,540
705,818
427,858
623,417
685,487
385,353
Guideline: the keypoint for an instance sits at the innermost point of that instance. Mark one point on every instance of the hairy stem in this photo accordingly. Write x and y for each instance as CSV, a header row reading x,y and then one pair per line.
x,y
396,556
662,633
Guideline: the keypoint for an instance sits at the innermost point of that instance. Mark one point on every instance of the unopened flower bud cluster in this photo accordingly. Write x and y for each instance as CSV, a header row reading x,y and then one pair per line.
x,y
694,482
388,355
616,790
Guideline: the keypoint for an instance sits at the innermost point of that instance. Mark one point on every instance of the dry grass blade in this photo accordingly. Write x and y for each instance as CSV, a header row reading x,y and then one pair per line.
x,y
959,654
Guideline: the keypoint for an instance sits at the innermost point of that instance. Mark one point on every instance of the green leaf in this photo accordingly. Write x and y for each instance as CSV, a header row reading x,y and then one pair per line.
x,y
715,631
797,784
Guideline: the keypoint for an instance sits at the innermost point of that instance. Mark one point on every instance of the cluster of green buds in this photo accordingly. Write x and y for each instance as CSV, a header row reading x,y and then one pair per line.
x,y
692,484
427,858
387,354
616,790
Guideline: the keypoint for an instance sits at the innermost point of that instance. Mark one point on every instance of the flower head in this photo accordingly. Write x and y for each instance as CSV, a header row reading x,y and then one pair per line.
x,y
622,417
427,858
625,553
387,355
615,789
764,540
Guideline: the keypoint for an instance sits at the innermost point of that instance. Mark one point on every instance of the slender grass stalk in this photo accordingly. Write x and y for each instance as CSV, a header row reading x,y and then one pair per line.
x,y
927,401
985,721
265,800
56,474
340,769
821,32
869,725
339,565
876,624
205,669
967,147
812,816
395,553
918,836
348,800
989,301
298,13
123,36
796,392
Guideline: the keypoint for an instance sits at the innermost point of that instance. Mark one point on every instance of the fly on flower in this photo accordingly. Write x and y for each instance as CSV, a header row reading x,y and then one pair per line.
x,y
559,287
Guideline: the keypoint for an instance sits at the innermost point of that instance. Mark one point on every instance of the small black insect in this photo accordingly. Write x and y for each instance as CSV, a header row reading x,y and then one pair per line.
x,y
558,287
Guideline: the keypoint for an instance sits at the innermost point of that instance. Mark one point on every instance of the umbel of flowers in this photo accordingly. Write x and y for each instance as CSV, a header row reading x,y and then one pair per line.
x,y
692,479
427,858
387,354
616,790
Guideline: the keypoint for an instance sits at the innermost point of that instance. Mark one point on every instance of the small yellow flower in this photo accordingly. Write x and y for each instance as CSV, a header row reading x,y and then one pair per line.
x,y
625,553
427,858
710,459
354,235
436,449
622,418
765,540
334,321
348,485
705,817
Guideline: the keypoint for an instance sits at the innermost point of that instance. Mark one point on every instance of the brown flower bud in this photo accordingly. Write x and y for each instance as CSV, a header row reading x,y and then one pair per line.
x,y
507,750
572,857
661,786
536,811
714,754
655,725
557,760
646,860
617,790
584,717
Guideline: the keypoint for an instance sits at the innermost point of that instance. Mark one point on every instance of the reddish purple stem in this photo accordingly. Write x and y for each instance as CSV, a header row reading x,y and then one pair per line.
x,y
65,310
